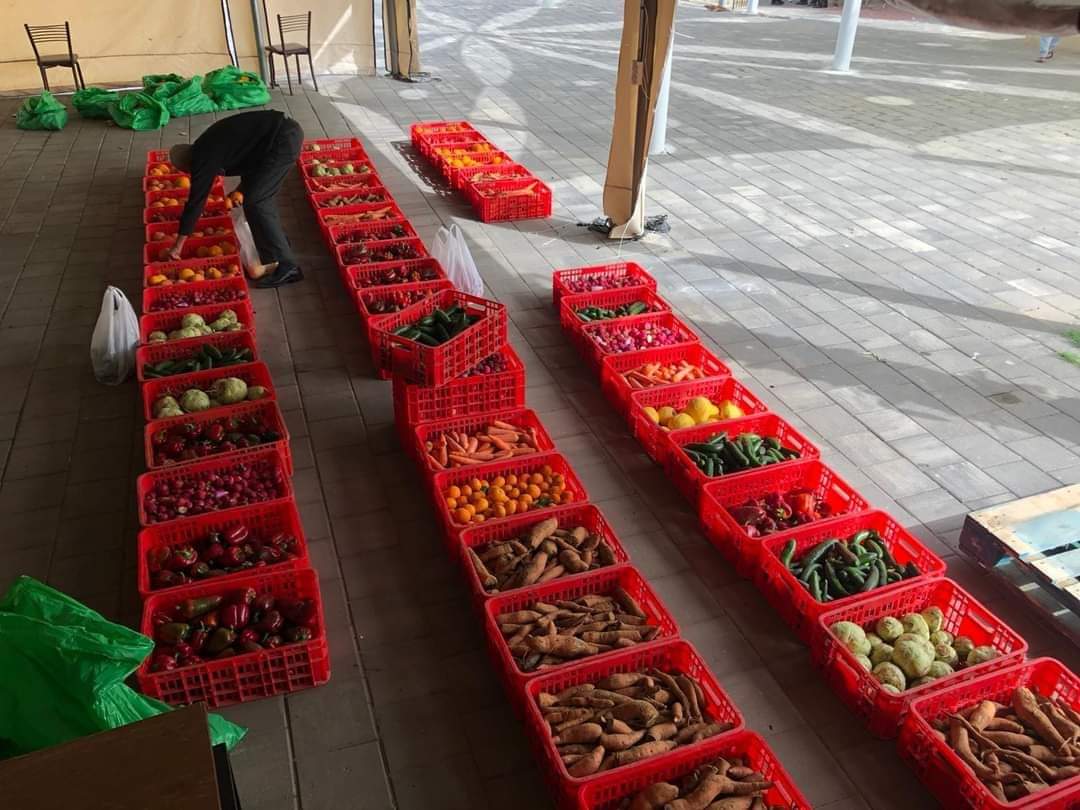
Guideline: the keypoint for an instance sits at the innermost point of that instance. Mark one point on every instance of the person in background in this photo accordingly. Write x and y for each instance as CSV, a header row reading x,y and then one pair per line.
x,y
1046,48
260,147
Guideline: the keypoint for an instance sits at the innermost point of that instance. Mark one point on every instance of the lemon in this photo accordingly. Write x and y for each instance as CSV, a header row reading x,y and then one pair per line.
x,y
652,413
666,414
714,412
729,410
698,409
682,420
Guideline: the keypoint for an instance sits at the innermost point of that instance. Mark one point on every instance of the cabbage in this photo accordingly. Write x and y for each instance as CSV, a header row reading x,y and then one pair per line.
x,y
220,325
913,655
229,390
163,403
888,628
946,654
933,617
864,662
168,412
874,639
882,652
980,655
851,636
941,637
194,400
156,337
890,675
915,623
228,315
963,645
939,669
192,319
257,391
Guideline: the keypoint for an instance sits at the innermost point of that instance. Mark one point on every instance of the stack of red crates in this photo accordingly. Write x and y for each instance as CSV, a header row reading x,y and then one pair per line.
x,y
499,189
632,384
464,384
186,449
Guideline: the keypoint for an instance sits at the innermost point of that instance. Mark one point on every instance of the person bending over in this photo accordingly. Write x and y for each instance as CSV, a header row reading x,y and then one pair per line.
x,y
260,147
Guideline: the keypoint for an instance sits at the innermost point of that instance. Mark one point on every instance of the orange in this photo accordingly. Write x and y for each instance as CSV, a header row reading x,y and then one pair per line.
x,y
511,480
536,478
546,470
215,250
499,511
566,497
183,182
187,274
514,492
511,507
525,500
156,279
466,490
198,277
481,504
462,516
453,491
451,504
476,484
533,491
498,481
478,519
470,509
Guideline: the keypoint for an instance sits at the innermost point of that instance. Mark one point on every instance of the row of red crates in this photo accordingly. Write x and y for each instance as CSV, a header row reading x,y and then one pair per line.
x,y
436,389
169,579
498,189
913,713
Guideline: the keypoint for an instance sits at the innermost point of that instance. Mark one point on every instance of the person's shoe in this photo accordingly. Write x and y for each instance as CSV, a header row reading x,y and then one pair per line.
x,y
284,274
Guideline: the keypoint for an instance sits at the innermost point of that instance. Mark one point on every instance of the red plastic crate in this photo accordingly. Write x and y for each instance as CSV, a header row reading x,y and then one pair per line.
x,y
214,466
152,250
945,774
402,295
594,355
264,520
614,367
433,140
331,147
343,182
575,280
216,196
268,410
497,200
882,711
341,159
609,299
522,417
168,320
225,264
794,602
437,365
155,156
368,276
600,582
690,480
171,213
321,200
467,175
327,216
585,514
453,173
414,244
671,656
525,464
176,349
732,540
371,232
250,373
718,389
609,790
475,150
172,178
170,229
422,129
250,676
152,296
464,395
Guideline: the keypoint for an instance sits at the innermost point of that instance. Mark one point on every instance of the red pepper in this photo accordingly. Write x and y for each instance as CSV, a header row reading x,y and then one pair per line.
x,y
804,504
300,611
182,557
156,557
747,514
247,646
298,633
247,596
213,552
215,432
232,557
159,438
235,615
209,619
197,640
162,662
272,641
168,579
263,603
249,634
236,535
189,660
270,622
175,447
160,617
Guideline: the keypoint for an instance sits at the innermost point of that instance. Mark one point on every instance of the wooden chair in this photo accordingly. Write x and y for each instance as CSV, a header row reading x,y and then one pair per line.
x,y
289,24
39,34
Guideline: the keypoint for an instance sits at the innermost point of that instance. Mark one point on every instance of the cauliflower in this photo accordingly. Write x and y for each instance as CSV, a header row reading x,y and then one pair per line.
x,y
864,662
257,391
157,337
163,403
946,654
913,655
941,637
888,629
194,400
915,623
980,655
939,669
851,636
192,320
882,652
890,675
229,390
933,617
963,645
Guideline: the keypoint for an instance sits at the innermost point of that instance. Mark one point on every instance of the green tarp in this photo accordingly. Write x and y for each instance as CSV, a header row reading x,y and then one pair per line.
x,y
233,89
41,112
93,102
62,671
139,111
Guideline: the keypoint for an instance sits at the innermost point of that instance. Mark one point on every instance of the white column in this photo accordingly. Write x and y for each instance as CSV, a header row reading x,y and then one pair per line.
x,y
658,143
751,6
845,39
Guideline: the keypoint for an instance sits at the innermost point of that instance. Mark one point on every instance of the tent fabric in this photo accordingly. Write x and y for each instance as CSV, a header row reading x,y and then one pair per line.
x,y
646,38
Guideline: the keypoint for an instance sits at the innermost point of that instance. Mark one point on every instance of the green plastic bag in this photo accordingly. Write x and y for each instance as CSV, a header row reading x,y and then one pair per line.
x,y
232,88
62,671
93,102
41,112
152,80
139,111
185,97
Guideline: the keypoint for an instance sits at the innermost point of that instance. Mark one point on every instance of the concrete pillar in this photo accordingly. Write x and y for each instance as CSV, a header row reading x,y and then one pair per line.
x,y
845,39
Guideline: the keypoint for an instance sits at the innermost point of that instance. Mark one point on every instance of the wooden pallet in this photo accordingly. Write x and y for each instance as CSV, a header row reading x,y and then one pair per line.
x,y
1033,545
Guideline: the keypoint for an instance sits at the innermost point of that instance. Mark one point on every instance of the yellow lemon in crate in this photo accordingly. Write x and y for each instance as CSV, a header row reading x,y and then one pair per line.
x,y
682,420
666,414
698,409
729,410
652,413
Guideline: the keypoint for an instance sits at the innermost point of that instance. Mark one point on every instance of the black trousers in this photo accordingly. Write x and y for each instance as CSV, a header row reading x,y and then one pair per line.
x,y
260,188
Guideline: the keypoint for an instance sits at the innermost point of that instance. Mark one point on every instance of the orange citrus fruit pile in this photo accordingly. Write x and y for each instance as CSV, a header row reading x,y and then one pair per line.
x,y
500,496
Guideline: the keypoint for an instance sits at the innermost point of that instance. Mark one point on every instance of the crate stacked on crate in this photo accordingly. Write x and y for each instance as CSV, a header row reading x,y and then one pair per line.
x,y
498,189
228,592
904,647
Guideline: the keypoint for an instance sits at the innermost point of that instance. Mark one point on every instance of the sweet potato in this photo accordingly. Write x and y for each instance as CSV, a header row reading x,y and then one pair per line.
x,y
1027,709
636,713
644,751
654,797
581,733
588,764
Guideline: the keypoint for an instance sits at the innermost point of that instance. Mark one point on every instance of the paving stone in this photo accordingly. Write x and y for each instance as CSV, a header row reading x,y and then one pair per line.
x,y
1022,478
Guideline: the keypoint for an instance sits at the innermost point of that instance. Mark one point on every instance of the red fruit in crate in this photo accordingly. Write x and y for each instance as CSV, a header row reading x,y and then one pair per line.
x,y
300,611
248,646
270,622
156,557
175,447
232,557
236,536
235,615
272,641
191,430
197,640
159,438
250,634
160,617
298,633
246,596
182,557
188,660
215,432
263,603
162,662
167,579
213,552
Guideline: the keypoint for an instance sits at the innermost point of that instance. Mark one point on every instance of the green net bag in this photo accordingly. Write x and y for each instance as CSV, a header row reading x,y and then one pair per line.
x,y
93,102
232,88
62,671
139,111
41,112
185,97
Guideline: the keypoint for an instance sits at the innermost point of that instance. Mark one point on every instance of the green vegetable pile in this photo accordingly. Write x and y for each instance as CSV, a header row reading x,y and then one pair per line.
x,y
192,325
837,568
204,357
721,455
605,314
913,650
438,327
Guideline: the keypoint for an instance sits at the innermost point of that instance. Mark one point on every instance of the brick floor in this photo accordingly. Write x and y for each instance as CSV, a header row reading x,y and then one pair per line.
x,y
888,258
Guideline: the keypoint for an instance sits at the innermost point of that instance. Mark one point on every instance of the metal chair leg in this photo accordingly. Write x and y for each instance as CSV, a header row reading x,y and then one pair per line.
x,y
311,65
288,78
299,78
82,81
44,77
273,73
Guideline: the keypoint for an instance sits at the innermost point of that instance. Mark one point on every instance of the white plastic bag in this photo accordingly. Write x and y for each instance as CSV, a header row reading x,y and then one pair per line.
x,y
115,338
245,242
450,248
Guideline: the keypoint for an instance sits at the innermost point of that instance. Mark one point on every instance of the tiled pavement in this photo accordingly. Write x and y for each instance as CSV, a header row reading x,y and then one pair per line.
x,y
887,258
